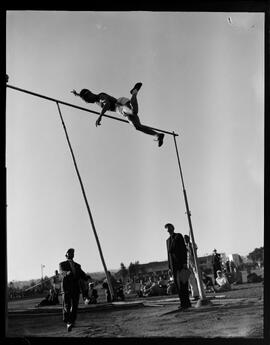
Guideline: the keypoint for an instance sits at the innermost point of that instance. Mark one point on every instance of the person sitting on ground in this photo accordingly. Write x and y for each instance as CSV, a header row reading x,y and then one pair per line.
x,y
222,282
161,282
92,295
147,285
128,288
141,289
162,285
123,106
171,286
84,287
254,278
105,286
50,299
208,283
154,290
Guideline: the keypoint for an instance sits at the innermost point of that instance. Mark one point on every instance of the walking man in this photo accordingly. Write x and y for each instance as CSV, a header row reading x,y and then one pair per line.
x,y
123,106
177,260
71,274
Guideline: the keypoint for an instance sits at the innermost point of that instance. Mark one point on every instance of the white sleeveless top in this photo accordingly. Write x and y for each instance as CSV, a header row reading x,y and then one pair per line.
x,y
123,107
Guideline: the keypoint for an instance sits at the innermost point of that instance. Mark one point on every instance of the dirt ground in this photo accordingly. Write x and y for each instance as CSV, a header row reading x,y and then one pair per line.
x,y
238,313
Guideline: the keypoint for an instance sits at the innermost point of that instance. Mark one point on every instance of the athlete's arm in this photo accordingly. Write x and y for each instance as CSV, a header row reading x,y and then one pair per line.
x,y
105,104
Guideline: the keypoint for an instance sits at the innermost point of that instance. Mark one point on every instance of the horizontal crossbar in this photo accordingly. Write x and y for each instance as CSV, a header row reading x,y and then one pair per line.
x,y
80,108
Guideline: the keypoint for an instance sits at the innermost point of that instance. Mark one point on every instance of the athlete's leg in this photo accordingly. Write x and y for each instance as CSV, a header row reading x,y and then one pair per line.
x,y
134,102
134,119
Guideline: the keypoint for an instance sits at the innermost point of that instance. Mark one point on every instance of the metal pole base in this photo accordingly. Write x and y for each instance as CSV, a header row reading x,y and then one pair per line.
x,y
203,302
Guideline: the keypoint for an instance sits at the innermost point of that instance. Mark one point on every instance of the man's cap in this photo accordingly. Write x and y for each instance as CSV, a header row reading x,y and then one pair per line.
x,y
70,250
214,250
169,225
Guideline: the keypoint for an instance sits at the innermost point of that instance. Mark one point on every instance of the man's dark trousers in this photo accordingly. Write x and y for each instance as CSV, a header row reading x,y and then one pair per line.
x,y
70,306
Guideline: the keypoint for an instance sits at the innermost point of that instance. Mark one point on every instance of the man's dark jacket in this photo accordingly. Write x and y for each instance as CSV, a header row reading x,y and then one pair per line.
x,y
71,282
177,252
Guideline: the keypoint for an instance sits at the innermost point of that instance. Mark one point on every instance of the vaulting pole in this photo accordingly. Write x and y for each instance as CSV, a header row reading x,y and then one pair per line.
x,y
87,205
203,299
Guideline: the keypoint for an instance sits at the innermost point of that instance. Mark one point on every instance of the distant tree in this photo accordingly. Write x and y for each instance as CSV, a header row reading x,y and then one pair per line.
x,y
123,271
257,255
45,284
133,269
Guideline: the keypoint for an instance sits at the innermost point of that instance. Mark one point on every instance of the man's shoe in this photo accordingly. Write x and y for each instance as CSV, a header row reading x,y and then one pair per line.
x,y
137,87
69,327
160,139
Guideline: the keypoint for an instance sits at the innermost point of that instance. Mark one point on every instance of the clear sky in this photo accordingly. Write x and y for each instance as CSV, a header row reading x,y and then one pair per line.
x,y
203,77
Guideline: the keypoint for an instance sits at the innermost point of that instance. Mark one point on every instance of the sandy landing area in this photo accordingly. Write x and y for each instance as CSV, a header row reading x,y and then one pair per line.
x,y
238,313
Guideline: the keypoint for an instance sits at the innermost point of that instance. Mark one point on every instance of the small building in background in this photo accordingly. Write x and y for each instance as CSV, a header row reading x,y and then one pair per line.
x,y
236,258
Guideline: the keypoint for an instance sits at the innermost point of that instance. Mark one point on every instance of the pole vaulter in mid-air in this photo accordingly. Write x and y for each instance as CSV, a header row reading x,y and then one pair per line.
x,y
123,106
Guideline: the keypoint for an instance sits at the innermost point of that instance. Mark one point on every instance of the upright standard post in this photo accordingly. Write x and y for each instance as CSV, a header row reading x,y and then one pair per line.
x,y
87,206
199,275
